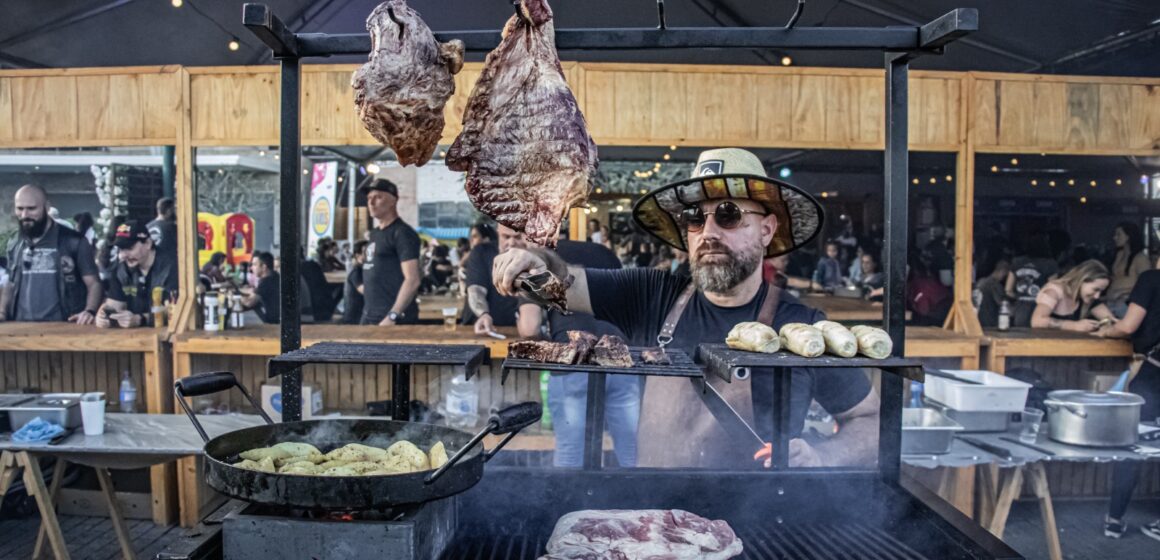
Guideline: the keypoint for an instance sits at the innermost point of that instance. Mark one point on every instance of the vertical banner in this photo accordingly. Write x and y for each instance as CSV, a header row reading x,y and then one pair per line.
x,y
323,187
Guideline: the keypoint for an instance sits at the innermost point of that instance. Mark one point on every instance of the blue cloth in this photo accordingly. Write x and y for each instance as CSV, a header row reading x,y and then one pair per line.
x,y
37,429
567,400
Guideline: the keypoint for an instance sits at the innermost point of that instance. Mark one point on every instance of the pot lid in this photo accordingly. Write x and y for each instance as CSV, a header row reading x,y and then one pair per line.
x,y
1095,399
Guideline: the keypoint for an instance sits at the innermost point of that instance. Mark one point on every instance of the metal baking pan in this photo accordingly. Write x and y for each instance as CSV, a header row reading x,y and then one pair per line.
x,y
63,409
926,431
971,420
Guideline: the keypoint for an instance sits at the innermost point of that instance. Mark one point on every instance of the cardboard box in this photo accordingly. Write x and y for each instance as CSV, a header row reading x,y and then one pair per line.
x,y
272,401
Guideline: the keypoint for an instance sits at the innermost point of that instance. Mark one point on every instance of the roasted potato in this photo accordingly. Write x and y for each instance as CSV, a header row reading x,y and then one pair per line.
x,y
265,465
298,449
331,464
265,452
415,458
312,459
305,467
438,455
357,452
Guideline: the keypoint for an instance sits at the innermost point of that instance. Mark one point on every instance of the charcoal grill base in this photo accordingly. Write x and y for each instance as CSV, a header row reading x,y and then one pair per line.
x,y
419,533
778,515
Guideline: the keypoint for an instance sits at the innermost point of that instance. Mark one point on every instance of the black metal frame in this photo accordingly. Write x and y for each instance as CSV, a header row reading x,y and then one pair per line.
x,y
901,45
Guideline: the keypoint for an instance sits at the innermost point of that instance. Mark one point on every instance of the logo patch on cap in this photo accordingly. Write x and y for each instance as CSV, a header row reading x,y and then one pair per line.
x,y
710,167
124,230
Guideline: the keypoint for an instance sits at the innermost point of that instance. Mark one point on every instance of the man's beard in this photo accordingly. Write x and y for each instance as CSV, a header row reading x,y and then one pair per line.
x,y
33,229
723,277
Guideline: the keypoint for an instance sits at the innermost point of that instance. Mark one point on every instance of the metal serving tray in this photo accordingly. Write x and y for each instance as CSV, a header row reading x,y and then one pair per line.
x,y
63,409
926,431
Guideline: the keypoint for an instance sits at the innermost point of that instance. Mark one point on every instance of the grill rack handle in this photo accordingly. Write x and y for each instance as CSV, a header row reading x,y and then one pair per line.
x,y
509,420
207,384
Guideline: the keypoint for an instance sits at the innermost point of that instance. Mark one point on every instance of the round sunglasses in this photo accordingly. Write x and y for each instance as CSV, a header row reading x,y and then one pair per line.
x,y
728,215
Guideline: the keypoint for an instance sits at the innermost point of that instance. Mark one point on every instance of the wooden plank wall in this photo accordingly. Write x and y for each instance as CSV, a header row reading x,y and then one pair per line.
x,y
348,388
1066,114
90,107
72,372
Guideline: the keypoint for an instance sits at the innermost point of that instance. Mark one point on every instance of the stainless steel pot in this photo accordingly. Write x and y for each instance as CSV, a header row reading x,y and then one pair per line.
x,y
1093,419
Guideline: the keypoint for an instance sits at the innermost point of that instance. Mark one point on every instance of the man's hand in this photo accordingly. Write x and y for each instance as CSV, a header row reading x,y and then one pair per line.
x,y
512,263
126,319
802,454
386,322
484,325
82,318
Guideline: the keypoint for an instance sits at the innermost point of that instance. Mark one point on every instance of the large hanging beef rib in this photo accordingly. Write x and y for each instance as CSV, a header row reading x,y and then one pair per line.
x,y
401,90
524,145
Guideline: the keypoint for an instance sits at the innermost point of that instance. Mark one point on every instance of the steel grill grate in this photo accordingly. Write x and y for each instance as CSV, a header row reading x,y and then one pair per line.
x,y
362,353
682,366
802,542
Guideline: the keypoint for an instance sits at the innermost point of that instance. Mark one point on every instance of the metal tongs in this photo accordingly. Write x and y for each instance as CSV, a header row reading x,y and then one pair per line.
x,y
536,287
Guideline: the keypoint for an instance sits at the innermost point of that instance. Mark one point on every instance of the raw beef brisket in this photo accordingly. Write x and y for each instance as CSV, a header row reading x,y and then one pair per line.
x,y
525,146
400,92
637,534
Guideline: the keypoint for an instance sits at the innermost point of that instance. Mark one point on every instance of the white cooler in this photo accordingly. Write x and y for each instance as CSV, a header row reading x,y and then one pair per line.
x,y
998,393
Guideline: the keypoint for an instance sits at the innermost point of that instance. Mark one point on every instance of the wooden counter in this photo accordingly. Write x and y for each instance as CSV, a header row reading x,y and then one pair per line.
x,y
1047,343
64,357
937,342
848,310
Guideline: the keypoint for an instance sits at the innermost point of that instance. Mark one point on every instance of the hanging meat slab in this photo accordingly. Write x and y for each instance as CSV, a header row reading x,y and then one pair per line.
x,y
525,146
400,92
650,533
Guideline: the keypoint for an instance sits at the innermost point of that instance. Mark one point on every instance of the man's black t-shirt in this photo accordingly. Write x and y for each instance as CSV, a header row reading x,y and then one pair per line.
x,y
269,308
164,235
477,268
637,302
586,254
353,310
383,271
1146,294
589,256
136,289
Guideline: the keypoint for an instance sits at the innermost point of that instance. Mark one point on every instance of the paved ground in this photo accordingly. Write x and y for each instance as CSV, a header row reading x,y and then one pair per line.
x,y
1081,531
88,538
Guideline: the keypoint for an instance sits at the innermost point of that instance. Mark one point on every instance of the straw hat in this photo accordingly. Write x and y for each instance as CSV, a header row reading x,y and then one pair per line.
x,y
731,173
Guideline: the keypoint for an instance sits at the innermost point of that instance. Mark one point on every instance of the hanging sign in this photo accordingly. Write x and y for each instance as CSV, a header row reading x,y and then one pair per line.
x,y
323,187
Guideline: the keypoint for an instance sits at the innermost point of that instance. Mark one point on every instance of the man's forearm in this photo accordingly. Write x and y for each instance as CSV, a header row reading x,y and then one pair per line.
x,y
407,293
95,294
477,300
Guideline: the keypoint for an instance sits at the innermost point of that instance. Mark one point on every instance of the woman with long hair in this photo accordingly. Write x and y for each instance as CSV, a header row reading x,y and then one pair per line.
x,y
1130,261
1068,302
1141,324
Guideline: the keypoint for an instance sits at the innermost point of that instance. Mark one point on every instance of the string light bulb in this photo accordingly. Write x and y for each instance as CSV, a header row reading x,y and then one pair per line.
x,y
673,148
442,153
825,194
1083,200
933,180
786,61
373,168
950,178
914,180
619,208
177,3
1119,181
261,153
1034,183
1071,182
234,44
1051,183
1014,161
599,190
994,169
666,157
1093,183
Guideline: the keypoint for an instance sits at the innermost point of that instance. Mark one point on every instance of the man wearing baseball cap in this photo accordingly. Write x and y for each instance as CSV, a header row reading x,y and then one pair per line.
x,y
140,269
391,274
729,216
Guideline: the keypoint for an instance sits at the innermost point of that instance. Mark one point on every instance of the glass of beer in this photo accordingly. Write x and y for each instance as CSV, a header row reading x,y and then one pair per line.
x,y
450,314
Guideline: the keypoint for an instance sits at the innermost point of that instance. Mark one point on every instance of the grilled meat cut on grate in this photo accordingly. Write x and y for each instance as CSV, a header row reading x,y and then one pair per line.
x,y
400,92
525,146
650,533
612,351
655,356
543,351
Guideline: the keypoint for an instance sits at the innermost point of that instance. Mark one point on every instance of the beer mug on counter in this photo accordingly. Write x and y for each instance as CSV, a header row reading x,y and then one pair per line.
x,y
450,315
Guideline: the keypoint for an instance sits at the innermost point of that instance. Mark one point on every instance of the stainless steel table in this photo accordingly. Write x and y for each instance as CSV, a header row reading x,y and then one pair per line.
x,y
130,441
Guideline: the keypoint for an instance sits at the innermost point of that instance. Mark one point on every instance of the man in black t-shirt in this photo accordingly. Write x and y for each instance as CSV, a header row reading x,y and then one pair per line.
x,y
488,307
353,291
264,299
728,215
391,276
163,229
140,269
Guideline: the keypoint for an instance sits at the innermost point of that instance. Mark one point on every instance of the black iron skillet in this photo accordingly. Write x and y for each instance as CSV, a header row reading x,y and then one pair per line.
x,y
344,493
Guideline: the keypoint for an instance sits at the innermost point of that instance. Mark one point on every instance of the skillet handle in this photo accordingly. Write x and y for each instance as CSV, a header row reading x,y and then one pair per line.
x,y
208,384
507,421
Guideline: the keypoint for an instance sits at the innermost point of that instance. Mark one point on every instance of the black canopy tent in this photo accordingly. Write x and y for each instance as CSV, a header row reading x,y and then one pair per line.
x,y
911,514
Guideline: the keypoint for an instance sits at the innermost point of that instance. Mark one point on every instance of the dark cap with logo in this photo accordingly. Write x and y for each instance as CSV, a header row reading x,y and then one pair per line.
x,y
381,185
129,234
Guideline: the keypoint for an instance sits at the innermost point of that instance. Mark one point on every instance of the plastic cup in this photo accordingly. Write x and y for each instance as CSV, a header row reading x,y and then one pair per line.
x,y
449,316
93,416
1032,419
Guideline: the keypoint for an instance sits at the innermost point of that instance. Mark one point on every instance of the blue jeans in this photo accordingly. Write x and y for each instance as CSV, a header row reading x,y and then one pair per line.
x,y
567,399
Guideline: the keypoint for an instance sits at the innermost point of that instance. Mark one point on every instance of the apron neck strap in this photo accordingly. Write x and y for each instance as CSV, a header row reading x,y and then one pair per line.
x,y
765,315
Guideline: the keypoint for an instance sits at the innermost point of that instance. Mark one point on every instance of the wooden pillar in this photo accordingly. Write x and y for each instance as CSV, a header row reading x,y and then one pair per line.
x,y
577,224
186,215
962,317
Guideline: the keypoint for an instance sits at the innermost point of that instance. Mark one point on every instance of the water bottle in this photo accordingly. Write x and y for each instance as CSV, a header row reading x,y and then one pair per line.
x,y
915,394
1004,316
546,418
128,393
462,402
